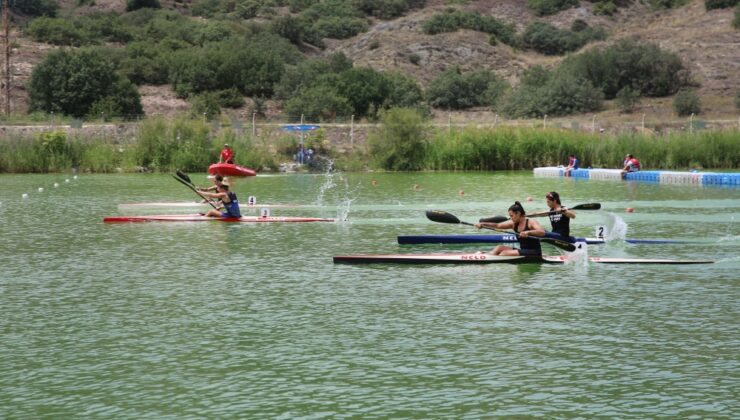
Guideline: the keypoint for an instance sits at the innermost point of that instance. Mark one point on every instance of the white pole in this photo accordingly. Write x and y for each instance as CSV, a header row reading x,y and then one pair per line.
x,y
352,131
544,122
449,122
254,126
495,121
593,124
691,123
643,122
301,129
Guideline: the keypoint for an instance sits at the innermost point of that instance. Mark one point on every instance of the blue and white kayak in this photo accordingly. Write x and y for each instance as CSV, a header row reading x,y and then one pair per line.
x,y
484,258
507,238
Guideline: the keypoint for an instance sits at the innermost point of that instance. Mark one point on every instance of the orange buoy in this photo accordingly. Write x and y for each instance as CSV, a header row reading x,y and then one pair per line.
x,y
529,198
461,192
630,209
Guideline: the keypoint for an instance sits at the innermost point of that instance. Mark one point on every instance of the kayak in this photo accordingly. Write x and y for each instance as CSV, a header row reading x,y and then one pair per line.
x,y
229,169
508,238
484,258
195,204
201,218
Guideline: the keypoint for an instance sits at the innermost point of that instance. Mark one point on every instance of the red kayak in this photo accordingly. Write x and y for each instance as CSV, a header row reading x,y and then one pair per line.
x,y
229,169
201,218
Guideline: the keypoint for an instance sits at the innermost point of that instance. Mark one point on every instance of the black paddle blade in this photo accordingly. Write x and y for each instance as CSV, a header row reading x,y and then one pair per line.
x,y
440,216
564,245
587,206
182,175
493,219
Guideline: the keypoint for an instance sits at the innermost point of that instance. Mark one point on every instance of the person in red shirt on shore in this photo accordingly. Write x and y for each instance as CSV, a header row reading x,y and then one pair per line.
x,y
227,155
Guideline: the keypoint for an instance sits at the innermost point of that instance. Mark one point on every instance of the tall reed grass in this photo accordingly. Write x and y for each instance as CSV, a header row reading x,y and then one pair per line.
x,y
512,148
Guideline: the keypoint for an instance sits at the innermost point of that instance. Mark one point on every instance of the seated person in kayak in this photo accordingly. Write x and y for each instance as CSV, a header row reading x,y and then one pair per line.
x,y
227,155
229,200
559,217
217,180
526,229
631,164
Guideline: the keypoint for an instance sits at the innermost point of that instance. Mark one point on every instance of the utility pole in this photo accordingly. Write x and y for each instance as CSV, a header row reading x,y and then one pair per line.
x,y
6,25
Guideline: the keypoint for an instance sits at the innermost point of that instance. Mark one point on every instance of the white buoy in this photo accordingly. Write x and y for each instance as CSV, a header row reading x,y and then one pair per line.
x,y
56,185
66,180
41,189
24,195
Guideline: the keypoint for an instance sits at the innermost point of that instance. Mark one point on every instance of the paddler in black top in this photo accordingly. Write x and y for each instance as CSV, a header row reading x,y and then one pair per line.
x,y
559,217
526,229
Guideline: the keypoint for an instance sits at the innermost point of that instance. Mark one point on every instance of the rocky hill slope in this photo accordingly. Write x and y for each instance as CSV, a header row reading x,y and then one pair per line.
x,y
705,40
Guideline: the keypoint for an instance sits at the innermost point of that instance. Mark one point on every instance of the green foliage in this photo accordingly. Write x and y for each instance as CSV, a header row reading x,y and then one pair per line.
x,y
206,105
34,7
686,102
605,8
403,91
230,98
70,82
451,20
643,67
550,7
318,103
736,19
132,5
547,39
667,4
542,92
363,88
253,66
627,98
399,144
510,148
387,9
56,31
737,99
454,90
720,4
340,28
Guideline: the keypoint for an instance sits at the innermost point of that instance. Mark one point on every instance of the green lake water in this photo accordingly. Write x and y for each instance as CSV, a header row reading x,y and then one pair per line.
x,y
216,320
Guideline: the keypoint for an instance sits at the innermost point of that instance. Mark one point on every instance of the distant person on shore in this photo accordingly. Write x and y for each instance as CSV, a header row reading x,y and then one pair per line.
x,y
227,155
526,232
631,164
573,163
229,200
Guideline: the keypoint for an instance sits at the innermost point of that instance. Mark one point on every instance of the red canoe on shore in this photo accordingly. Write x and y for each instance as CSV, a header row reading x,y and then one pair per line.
x,y
229,169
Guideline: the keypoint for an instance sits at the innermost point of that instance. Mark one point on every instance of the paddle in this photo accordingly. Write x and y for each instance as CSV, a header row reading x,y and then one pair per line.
x,y
499,219
189,185
444,217
183,176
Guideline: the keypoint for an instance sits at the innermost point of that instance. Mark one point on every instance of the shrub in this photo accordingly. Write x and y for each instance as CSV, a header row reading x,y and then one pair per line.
x,y
56,31
35,7
550,7
547,39
736,20
644,67
720,4
451,20
605,8
399,144
737,99
454,90
70,82
627,98
206,105
318,103
340,28
132,5
686,102
230,98
403,91
387,9
363,88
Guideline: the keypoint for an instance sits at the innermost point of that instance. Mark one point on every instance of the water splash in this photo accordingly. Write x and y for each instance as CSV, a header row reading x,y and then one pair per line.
x,y
336,184
579,257
329,182
616,228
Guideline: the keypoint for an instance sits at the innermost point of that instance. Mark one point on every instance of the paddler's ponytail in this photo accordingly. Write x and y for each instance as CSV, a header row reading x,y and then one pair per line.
x,y
517,208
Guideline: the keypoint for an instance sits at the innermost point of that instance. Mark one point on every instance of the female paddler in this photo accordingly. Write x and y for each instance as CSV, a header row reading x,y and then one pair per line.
x,y
559,217
229,200
526,229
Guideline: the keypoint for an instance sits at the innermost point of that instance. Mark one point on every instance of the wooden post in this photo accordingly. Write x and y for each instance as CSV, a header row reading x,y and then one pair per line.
x,y
6,25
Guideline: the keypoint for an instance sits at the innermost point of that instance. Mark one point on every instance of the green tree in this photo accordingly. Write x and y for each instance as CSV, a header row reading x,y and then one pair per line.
x,y
132,5
686,102
35,7
399,144
318,103
70,82
627,98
